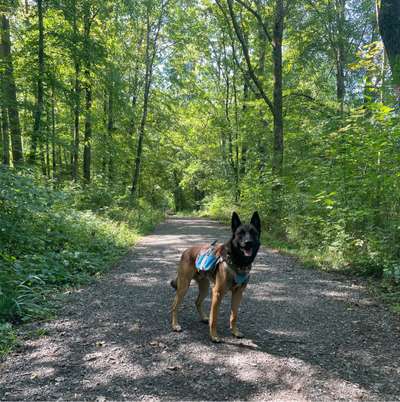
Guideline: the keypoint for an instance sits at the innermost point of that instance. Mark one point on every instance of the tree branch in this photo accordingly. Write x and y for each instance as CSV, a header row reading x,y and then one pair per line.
x,y
244,73
246,55
258,17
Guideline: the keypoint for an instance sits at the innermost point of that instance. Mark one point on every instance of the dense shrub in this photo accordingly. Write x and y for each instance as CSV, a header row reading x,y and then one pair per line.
x,y
47,243
340,206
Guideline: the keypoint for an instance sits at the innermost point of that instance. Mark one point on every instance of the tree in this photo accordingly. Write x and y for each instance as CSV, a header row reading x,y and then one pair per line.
x,y
9,92
5,139
389,25
37,134
88,18
152,38
274,104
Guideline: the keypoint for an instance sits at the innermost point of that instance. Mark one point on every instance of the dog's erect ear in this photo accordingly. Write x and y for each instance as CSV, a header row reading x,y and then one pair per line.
x,y
256,222
235,221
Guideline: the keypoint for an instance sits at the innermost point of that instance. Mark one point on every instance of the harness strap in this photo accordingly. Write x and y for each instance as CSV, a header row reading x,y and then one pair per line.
x,y
242,279
207,260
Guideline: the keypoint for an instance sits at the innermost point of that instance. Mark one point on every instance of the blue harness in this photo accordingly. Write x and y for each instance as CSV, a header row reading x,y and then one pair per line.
x,y
207,261
241,279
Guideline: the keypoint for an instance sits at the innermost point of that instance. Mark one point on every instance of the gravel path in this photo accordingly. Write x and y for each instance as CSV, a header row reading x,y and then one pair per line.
x,y
309,336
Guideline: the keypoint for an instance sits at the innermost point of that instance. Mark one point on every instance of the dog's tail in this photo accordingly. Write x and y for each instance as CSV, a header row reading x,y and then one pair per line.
x,y
174,284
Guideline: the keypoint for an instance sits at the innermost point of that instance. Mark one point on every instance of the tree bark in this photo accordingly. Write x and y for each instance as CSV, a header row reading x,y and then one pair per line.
x,y
53,133
77,99
5,139
110,131
277,162
37,126
389,26
278,130
87,150
9,91
76,136
340,6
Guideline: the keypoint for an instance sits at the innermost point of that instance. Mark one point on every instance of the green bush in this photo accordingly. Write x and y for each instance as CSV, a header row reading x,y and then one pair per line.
x,y
46,243
219,207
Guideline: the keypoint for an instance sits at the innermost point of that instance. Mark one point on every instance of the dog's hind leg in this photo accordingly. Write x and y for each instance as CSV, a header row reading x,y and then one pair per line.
x,y
204,285
182,285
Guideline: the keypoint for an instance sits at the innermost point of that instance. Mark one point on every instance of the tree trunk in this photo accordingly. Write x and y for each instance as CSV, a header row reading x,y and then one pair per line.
x,y
276,105
42,159
340,6
277,162
389,26
53,133
110,130
278,149
87,150
147,83
149,60
37,126
48,148
5,137
9,91
104,135
76,139
77,100
139,149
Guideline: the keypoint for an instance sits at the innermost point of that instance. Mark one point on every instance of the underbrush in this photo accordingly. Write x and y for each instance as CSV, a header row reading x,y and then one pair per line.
x,y
52,239
330,239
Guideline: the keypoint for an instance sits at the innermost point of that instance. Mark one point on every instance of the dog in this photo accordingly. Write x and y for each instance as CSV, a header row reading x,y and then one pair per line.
x,y
231,272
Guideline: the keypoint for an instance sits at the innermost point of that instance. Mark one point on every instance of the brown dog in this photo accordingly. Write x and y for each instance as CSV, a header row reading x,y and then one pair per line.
x,y
231,273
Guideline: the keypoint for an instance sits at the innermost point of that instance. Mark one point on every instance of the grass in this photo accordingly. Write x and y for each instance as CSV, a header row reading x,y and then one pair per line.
x,y
51,240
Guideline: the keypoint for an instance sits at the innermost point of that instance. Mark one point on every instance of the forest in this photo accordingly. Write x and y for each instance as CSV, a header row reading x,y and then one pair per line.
x,y
114,113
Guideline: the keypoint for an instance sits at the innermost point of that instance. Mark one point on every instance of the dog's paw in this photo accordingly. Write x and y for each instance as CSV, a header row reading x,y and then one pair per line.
x,y
215,339
237,334
177,328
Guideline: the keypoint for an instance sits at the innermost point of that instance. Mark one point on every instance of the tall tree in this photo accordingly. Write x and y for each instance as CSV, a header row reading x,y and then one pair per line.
x,y
37,133
9,91
5,139
275,105
152,38
76,92
389,24
88,17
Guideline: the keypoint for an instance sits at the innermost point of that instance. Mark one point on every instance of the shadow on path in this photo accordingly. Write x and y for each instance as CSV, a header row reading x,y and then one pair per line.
x,y
309,336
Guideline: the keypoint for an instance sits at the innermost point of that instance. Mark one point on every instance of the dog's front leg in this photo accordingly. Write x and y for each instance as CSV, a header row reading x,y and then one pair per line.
x,y
217,295
237,294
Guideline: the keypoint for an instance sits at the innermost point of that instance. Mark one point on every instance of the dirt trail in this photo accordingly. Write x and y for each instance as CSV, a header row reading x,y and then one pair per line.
x,y
309,336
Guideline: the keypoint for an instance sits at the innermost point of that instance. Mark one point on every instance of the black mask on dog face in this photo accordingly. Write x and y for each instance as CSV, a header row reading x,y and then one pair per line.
x,y
245,238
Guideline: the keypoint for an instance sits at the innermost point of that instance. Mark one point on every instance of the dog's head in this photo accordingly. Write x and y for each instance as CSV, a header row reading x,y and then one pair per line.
x,y
246,237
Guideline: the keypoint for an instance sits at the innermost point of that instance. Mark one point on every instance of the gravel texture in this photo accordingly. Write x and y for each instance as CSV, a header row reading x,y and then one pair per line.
x,y
309,336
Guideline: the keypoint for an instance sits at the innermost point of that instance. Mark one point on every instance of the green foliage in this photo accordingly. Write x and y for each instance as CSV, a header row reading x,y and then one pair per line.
x,y
341,204
219,206
48,242
8,338
208,137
